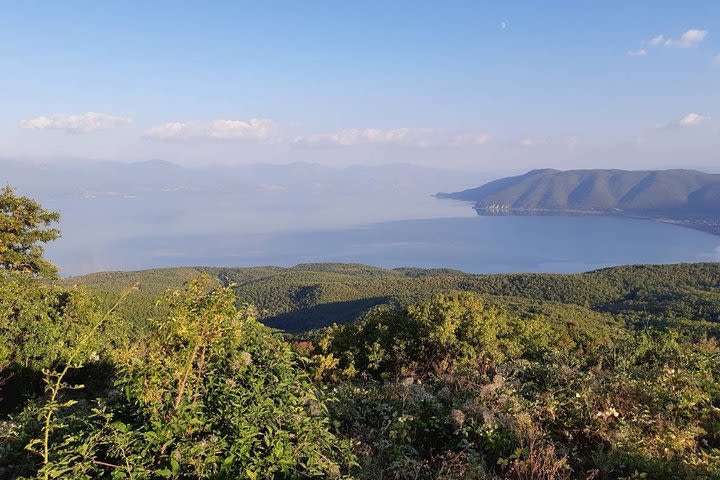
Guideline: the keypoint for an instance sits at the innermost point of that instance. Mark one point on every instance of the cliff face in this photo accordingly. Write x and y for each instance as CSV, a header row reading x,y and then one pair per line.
x,y
686,192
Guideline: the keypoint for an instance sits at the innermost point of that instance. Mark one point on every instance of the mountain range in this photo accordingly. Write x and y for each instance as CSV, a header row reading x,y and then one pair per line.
x,y
106,208
601,190
683,196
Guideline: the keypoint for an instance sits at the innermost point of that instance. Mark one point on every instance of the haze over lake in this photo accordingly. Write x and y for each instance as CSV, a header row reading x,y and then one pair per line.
x,y
472,244
157,214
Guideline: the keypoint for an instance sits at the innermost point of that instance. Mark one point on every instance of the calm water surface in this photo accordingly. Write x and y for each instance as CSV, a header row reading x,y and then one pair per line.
x,y
473,244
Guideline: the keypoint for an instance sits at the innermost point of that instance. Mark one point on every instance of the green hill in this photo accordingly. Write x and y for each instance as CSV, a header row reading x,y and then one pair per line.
x,y
680,192
310,296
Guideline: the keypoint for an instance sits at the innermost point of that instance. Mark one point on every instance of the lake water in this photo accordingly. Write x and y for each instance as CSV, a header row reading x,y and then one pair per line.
x,y
472,244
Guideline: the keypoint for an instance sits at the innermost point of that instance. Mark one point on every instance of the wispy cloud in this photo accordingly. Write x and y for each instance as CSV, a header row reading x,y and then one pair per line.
x,y
687,121
638,53
409,137
258,129
532,142
572,142
569,142
78,123
656,41
503,25
689,39
267,131
693,119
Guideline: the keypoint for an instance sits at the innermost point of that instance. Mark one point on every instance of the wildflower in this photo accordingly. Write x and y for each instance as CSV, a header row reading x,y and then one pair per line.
x,y
246,358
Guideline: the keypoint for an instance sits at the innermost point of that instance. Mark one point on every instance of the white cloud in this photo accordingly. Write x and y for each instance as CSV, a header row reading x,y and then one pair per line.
x,y
80,123
354,136
258,129
170,131
688,39
532,142
409,137
657,40
693,119
690,120
567,143
468,139
638,53
265,130
503,25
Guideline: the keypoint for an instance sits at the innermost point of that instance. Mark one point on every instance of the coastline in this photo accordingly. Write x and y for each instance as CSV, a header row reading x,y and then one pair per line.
x,y
705,224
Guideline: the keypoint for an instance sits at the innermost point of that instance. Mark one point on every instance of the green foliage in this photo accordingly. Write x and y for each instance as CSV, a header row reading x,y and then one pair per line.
x,y
41,328
24,225
39,324
213,394
312,296
457,386
67,327
451,388
142,304
444,335
647,405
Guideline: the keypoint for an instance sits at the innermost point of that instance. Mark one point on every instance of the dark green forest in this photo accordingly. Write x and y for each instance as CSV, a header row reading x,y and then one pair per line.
x,y
312,296
350,371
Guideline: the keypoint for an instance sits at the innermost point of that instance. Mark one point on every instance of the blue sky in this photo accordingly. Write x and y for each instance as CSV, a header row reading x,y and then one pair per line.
x,y
448,84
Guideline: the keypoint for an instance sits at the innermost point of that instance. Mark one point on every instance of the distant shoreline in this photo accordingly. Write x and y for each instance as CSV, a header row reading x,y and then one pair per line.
x,y
707,224
687,198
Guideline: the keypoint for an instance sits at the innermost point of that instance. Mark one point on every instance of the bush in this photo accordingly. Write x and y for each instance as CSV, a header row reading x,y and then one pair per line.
x,y
213,394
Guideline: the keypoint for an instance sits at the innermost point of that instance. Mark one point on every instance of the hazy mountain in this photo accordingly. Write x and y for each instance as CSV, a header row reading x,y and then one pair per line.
x,y
76,179
659,192
104,204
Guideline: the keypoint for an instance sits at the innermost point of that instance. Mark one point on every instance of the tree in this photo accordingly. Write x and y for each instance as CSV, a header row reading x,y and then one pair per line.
x,y
30,311
24,227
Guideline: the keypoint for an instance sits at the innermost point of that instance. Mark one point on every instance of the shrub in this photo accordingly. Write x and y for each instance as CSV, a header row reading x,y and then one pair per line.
x,y
213,394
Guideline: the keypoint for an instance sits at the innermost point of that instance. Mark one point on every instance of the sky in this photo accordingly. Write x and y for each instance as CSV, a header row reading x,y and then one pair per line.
x,y
482,86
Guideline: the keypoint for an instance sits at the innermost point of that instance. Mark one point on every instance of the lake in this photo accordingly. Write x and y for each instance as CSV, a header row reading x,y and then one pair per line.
x,y
476,244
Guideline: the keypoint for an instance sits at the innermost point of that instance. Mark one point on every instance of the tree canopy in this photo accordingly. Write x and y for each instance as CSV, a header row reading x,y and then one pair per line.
x,y
24,226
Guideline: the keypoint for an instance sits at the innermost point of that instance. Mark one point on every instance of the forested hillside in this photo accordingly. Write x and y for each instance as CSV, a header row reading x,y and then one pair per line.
x,y
315,295
405,374
686,191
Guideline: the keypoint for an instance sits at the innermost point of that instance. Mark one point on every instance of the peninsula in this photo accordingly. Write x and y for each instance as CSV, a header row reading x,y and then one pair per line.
x,y
686,197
